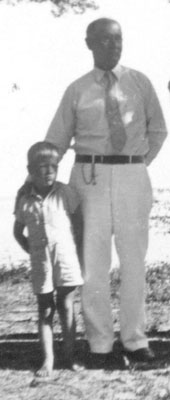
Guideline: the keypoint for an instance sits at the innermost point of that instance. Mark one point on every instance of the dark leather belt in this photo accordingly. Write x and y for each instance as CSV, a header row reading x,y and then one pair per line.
x,y
115,159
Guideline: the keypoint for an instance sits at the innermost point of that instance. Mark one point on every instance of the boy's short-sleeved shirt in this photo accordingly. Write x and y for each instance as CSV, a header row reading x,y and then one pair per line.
x,y
52,248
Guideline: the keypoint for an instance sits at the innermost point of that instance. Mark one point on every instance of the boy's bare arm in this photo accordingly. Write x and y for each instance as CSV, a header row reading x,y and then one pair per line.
x,y
20,237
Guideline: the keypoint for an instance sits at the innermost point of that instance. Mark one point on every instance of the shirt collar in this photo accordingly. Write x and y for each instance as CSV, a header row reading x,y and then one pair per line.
x,y
99,73
34,193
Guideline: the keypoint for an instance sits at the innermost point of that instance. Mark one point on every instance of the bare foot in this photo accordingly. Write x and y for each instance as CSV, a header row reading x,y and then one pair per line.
x,y
77,367
45,372
70,363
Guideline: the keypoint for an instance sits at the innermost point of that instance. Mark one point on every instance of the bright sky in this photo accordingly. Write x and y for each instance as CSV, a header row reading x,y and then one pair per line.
x,y
41,54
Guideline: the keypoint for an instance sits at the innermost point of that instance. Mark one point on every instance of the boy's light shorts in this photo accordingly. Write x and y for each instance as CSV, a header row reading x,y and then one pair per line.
x,y
55,265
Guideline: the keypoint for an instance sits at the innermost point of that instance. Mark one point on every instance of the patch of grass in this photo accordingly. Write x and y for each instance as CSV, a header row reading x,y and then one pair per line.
x,y
20,350
15,273
158,283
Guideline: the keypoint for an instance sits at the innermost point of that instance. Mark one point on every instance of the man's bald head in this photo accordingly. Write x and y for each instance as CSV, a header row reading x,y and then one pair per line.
x,y
104,39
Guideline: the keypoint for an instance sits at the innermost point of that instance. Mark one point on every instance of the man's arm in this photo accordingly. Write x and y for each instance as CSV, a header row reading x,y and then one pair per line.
x,y
20,237
62,127
156,125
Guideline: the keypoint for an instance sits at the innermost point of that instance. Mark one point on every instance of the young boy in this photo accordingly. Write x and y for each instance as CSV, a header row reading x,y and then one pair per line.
x,y
45,210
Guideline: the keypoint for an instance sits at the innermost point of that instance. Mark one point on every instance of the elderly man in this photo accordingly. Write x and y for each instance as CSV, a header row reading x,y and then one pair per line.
x,y
116,121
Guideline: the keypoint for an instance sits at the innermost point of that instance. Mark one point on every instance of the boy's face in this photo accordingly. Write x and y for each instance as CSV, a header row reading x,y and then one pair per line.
x,y
44,171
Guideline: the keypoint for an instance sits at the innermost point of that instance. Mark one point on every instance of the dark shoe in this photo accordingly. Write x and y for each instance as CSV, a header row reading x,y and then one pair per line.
x,y
141,355
108,361
96,360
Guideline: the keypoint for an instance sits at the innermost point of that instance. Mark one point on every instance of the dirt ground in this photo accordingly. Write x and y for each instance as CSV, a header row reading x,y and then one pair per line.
x,y
20,353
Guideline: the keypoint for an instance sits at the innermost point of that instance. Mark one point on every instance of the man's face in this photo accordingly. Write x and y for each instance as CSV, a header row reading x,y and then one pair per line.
x,y
106,45
44,171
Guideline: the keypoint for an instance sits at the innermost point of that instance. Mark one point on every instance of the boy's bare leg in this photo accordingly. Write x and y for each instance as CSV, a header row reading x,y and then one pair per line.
x,y
46,311
65,307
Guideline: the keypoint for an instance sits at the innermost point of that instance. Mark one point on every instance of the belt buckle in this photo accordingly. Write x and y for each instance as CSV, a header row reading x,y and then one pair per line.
x,y
130,159
102,159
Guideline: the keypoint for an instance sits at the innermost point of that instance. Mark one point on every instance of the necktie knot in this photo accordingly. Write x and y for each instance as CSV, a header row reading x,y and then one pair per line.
x,y
109,80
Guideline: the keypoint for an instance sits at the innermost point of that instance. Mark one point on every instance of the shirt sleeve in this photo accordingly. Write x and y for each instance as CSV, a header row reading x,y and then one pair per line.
x,y
156,127
62,127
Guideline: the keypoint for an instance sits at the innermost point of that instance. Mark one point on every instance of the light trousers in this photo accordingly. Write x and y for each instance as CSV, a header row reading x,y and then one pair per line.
x,y
117,202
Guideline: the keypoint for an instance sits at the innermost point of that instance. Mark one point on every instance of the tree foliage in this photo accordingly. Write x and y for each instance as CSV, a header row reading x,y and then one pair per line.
x,y
63,6
78,6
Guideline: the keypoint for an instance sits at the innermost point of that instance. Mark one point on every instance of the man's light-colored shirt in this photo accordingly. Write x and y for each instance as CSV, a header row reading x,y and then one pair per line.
x,y
81,115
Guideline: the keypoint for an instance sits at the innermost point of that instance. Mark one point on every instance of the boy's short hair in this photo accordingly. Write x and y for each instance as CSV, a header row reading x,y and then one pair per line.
x,y
40,149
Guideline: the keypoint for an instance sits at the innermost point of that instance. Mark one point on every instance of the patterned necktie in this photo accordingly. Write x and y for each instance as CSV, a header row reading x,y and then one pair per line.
x,y
116,127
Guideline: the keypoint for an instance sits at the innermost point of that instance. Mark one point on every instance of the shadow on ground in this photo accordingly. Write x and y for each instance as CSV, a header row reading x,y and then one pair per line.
x,y
22,352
